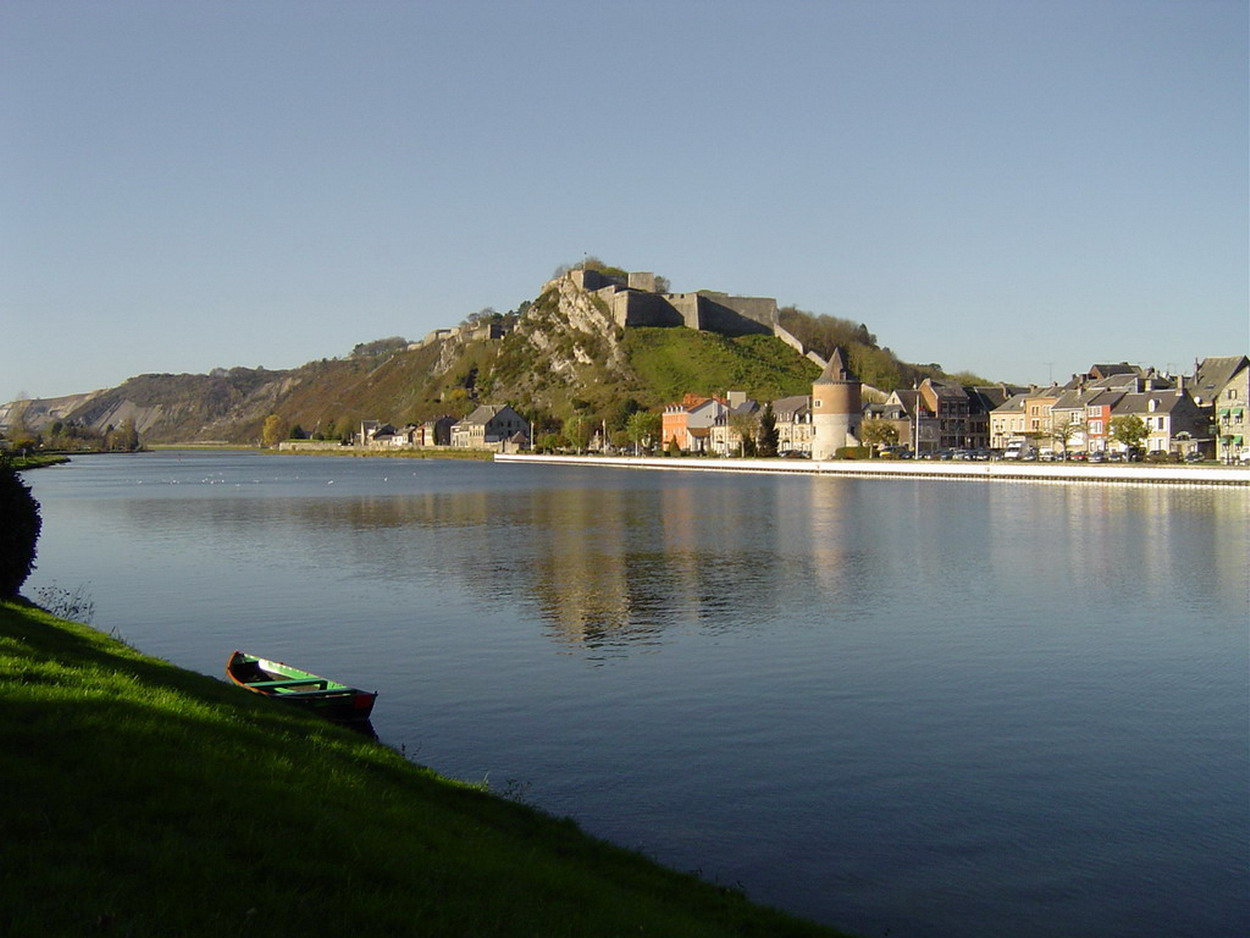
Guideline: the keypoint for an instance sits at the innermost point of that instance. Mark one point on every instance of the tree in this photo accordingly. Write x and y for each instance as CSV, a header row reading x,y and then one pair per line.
x,y
390,345
878,433
769,436
273,431
578,430
1130,431
19,531
746,425
123,439
643,429
620,412
1062,432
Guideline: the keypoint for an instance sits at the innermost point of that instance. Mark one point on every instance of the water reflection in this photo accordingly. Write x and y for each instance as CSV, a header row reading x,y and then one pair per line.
x,y
603,567
608,567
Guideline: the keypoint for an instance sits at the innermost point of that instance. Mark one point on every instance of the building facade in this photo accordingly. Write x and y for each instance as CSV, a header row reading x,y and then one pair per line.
x,y
837,408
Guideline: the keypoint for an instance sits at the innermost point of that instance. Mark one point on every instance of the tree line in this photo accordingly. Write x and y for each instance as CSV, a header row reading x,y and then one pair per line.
x,y
71,436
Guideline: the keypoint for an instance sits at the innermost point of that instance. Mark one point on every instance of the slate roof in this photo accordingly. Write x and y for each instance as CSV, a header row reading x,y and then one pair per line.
x,y
484,414
1013,404
789,406
1139,403
1214,373
1107,371
838,370
907,397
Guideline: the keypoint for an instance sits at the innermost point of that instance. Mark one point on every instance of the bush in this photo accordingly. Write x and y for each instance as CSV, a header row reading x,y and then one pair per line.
x,y
19,531
852,452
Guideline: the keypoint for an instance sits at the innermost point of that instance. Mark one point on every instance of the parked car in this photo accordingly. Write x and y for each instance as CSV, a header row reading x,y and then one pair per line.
x,y
1019,448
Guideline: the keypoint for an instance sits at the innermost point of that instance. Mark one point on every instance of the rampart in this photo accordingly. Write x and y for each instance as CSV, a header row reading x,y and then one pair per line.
x,y
635,303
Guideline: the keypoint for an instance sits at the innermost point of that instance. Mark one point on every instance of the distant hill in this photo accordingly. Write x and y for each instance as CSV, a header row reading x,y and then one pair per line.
x,y
562,354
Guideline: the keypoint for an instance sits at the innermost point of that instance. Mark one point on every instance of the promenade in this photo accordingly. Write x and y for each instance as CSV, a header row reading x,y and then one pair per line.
x,y
993,471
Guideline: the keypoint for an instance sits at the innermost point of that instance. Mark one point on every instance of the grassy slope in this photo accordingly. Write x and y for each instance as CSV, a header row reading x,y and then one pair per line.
x,y
671,362
141,799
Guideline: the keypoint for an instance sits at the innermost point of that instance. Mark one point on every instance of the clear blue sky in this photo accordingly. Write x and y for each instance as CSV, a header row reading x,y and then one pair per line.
x,y
1015,188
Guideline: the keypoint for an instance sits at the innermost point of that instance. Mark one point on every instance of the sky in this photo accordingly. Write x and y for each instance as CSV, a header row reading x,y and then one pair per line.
x,y
1017,189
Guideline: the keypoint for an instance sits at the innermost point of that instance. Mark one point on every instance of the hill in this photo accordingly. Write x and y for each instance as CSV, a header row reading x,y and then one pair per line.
x,y
560,354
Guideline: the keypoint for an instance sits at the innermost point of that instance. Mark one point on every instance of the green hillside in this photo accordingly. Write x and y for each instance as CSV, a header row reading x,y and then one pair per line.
x,y
671,362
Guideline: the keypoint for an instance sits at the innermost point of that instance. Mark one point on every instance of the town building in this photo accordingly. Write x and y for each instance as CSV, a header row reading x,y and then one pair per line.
x,y
725,435
1176,424
837,408
1223,384
492,426
689,423
794,424
1008,420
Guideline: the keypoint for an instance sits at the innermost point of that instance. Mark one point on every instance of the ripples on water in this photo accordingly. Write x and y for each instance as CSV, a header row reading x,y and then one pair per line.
x,y
933,708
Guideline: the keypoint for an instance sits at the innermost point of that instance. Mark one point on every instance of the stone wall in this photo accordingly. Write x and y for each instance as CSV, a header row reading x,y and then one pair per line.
x,y
712,312
760,309
736,315
631,308
637,304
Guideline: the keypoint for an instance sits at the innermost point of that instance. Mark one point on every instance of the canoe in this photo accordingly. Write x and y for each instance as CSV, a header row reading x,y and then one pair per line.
x,y
280,681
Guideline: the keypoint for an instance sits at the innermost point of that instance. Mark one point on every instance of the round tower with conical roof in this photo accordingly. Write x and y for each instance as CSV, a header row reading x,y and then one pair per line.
x,y
836,408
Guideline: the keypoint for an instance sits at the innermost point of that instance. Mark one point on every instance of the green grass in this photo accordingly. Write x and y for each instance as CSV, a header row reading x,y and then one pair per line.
x,y
39,461
144,800
675,361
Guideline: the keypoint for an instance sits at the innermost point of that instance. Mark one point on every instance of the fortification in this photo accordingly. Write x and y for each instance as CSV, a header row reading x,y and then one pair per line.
x,y
836,408
634,302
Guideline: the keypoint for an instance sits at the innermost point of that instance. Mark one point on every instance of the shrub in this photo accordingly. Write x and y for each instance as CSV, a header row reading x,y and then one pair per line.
x,y
19,531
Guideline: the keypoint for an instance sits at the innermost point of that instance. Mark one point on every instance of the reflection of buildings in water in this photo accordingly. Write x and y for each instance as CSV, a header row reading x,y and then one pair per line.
x,y
577,574
720,545
1065,539
619,567
826,542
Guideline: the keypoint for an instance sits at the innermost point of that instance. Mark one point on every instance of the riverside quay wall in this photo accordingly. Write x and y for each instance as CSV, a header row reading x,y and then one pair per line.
x,y
1066,473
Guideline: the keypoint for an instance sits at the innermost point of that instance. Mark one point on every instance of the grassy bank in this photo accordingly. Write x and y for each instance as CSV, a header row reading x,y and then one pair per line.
x,y
141,799
39,461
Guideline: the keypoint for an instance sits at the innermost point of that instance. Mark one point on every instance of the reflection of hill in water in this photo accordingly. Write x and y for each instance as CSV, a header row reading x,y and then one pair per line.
x,y
628,565
603,567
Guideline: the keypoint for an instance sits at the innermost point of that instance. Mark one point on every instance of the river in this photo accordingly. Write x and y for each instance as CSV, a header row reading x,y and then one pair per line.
x,y
917,708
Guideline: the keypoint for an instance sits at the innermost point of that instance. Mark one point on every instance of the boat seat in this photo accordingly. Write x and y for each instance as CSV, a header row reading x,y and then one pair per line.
x,y
320,683
319,692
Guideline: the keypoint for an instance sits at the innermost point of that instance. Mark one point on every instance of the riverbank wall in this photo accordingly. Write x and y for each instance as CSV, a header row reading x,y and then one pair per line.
x,y
994,471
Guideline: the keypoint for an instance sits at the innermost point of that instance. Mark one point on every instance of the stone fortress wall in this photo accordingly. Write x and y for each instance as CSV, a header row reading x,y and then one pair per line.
x,y
636,303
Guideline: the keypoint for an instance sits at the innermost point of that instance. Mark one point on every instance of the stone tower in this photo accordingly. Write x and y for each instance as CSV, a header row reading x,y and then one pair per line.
x,y
836,408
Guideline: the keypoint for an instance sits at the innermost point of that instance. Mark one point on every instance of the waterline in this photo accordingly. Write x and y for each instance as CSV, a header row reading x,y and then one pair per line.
x,y
1120,474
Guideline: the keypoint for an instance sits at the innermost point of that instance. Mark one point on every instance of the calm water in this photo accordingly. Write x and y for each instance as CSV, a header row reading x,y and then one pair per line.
x,y
921,708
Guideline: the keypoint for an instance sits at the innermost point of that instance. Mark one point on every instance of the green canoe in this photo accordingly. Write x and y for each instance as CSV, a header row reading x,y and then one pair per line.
x,y
282,682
